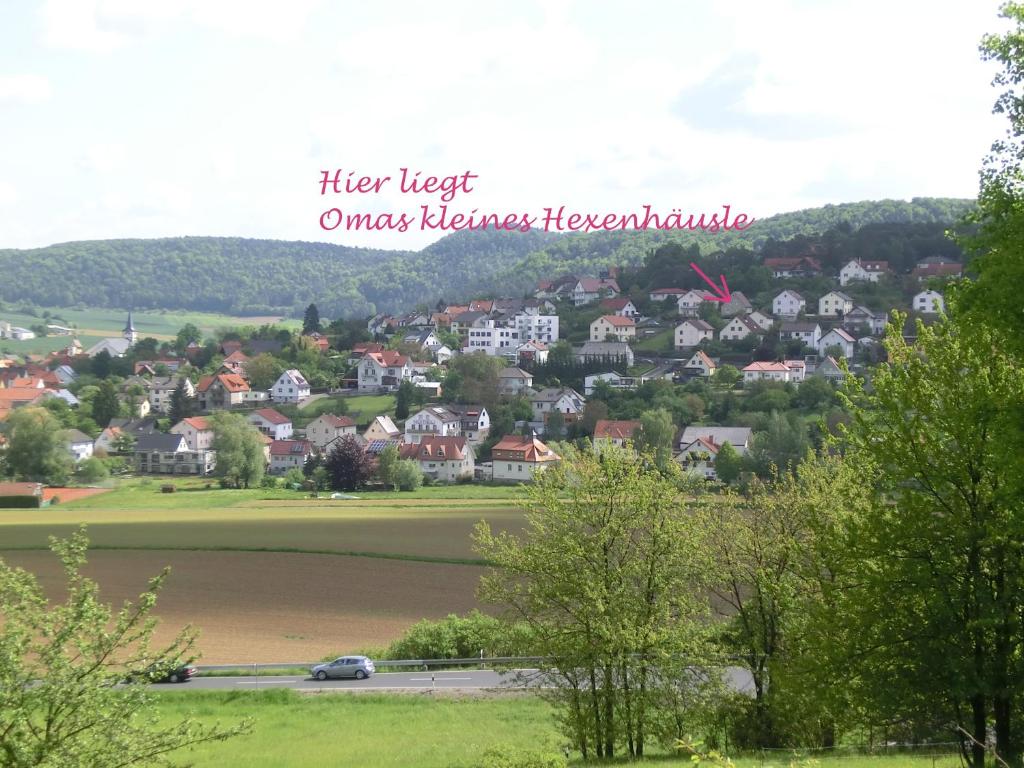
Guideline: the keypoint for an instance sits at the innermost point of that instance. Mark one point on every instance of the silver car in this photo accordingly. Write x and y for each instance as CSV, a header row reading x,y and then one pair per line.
x,y
359,667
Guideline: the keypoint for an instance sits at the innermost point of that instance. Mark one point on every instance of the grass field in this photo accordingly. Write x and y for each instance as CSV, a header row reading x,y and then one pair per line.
x,y
419,731
362,408
271,576
94,324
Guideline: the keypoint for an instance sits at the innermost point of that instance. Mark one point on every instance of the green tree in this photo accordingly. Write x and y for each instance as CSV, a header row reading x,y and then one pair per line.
x,y
182,406
404,398
554,427
311,319
656,435
609,576
239,446
814,393
188,334
63,700
728,463
36,450
263,370
92,470
408,475
726,376
106,405
387,462
780,445
942,544
348,465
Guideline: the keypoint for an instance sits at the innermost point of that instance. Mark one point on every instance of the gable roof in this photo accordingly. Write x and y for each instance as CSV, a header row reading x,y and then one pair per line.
x,y
272,415
161,442
614,303
615,430
841,333
530,449
761,366
840,294
737,437
291,448
436,448
389,358
231,382
618,321
335,421
595,284
514,373
702,356
794,326
198,423
697,323
386,424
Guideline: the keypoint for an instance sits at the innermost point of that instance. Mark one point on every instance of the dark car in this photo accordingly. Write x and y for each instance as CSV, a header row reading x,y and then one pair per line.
x,y
178,675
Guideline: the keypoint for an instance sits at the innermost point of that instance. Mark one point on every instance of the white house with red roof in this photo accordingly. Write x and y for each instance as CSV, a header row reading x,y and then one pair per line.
x,y
446,459
383,371
326,428
762,371
620,306
271,423
289,454
290,387
689,303
698,457
862,270
224,390
588,289
197,431
700,364
615,432
518,459
622,328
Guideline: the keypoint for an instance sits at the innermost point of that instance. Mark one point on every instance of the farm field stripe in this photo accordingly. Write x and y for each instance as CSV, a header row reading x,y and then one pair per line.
x,y
282,550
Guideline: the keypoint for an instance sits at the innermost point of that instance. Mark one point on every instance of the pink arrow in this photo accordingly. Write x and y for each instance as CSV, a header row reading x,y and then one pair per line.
x,y
720,294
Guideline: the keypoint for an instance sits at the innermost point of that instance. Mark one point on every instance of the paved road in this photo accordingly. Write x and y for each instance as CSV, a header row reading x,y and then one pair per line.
x,y
382,681
738,679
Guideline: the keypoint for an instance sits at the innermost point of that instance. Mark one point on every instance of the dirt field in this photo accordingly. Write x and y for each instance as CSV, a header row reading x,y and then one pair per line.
x,y
71,494
274,607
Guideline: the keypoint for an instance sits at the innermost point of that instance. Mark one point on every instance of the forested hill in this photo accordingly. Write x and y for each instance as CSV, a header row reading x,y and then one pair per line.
x,y
243,276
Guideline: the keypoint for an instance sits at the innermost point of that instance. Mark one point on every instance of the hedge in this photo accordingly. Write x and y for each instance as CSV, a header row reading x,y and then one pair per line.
x,y
20,502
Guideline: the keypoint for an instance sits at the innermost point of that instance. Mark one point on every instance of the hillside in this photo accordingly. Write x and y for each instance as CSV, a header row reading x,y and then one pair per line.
x,y
255,277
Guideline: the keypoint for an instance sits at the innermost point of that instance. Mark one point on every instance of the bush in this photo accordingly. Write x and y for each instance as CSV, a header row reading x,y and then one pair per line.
x,y
407,475
55,501
462,637
508,756
269,481
294,477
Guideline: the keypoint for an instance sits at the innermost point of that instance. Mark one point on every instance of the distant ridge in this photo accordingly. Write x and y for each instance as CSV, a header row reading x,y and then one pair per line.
x,y
254,277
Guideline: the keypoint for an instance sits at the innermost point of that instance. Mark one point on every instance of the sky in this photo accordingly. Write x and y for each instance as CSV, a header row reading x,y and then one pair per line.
x,y
121,118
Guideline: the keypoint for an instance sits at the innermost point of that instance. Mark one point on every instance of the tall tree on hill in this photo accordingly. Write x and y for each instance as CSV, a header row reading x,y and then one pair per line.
x,y
311,320
36,449
186,336
182,406
656,434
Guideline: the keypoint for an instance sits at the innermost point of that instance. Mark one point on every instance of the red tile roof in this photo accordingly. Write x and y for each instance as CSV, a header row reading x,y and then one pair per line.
x,y
198,423
337,421
271,415
435,448
614,303
618,321
291,448
231,382
389,358
615,430
21,489
773,367
524,449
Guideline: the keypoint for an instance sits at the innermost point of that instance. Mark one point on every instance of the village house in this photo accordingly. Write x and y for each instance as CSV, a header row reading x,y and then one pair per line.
x,y
235,363
445,459
382,428
738,304
797,370
698,458
615,326
432,421
799,266
689,303
326,428
831,370
383,371
197,431
157,453
289,454
224,390
928,303
738,437
738,328
788,305
611,432
532,352
565,400
808,333
834,304
518,459
621,307
512,381
862,270
765,322
590,289
763,371
271,423
691,332
536,327
936,267
79,444
161,390
474,421
861,317
700,365
837,337
492,338
290,387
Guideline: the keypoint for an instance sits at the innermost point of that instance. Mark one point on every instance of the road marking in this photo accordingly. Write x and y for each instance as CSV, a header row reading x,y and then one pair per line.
x,y
431,679
265,682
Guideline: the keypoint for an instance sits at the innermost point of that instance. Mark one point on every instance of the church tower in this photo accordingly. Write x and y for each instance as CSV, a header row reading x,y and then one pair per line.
x,y
129,330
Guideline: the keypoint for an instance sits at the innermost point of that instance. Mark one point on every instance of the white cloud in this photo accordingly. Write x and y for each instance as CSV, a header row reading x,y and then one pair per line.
x,y
27,89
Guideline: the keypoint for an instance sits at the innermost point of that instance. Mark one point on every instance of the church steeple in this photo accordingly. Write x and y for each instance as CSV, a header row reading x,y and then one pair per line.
x,y
129,330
